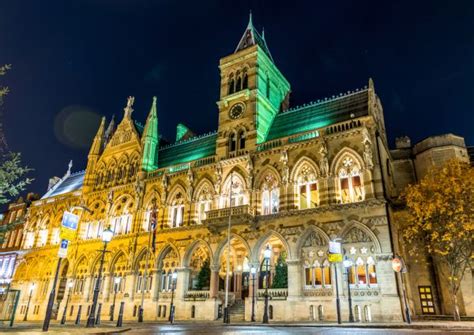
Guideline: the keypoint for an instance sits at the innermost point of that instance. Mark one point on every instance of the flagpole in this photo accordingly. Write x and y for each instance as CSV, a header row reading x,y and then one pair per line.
x,y
145,277
226,309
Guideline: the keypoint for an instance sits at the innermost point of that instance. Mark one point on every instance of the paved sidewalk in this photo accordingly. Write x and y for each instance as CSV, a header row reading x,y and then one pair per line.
x,y
108,327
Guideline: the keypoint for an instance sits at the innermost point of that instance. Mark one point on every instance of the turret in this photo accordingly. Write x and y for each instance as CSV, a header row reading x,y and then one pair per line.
x,y
150,140
95,152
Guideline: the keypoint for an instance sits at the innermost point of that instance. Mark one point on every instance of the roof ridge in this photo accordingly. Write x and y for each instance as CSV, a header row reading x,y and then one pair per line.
x,y
325,100
192,139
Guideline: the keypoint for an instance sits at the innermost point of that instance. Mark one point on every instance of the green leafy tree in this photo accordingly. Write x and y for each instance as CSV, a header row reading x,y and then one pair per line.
x,y
440,221
281,273
13,178
204,276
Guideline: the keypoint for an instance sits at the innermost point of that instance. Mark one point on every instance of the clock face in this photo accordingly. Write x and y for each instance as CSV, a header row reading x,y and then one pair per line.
x,y
237,110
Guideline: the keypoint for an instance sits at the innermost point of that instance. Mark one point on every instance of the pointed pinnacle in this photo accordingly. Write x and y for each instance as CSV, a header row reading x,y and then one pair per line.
x,y
250,19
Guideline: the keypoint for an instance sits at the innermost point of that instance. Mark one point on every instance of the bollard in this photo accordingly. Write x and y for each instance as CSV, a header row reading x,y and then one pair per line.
x,y
99,310
78,318
120,317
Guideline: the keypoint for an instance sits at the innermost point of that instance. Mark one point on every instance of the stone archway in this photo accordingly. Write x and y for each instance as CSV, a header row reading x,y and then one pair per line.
x,y
238,268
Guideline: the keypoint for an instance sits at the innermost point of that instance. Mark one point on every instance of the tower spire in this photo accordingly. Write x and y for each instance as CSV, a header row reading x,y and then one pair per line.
x,y
97,143
251,37
150,140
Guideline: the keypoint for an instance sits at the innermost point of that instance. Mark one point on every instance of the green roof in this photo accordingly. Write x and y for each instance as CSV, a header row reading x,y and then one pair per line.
x,y
187,150
319,114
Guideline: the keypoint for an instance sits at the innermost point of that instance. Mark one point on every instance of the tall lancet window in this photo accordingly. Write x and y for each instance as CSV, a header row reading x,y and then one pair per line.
x,y
177,211
308,192
350,181
270,195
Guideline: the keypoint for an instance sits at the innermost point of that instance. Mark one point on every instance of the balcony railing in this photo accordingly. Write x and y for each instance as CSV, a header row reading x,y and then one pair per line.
x,y
225,212
273,293
197,295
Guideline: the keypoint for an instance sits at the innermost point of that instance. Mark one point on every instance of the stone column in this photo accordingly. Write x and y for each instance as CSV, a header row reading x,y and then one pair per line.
x,y
214,282
129,286
106,291
238,285
294,279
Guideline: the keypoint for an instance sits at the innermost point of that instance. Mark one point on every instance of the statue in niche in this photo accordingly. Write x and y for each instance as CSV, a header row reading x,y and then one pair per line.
x,y
250,172
368,159
323,161
285,169
164,185
139,188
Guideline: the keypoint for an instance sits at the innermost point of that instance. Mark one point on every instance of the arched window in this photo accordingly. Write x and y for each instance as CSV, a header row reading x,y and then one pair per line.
x,y
238,196
350,182
232,142
238,85
371,273
241,140
270,195
177,211
122,220
231,86
245,81
204,203
308,194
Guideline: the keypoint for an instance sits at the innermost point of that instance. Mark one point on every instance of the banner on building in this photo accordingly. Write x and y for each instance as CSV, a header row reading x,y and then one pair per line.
x,y
69,226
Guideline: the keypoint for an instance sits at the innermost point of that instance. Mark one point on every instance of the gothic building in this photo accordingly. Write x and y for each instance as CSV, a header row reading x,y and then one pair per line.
x,y
286,178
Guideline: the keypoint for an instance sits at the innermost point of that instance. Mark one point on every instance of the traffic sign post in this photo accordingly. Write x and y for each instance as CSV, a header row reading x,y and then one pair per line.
x,y
62,252
335,256
398,265
69,225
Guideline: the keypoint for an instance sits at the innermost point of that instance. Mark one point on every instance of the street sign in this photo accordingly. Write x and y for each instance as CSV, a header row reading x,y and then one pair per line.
x,y
398,265
335,247
335,258
69,226
62,252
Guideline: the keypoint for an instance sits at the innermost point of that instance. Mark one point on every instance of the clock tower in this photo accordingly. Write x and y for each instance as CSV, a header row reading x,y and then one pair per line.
x,y
252,92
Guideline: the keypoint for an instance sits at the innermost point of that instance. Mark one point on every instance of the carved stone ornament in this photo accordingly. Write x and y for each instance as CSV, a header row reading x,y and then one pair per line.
x,y
323,161
355,235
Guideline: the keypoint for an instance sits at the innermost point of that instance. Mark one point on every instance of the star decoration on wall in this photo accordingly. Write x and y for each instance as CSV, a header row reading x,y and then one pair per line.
x,y
363,250
352,250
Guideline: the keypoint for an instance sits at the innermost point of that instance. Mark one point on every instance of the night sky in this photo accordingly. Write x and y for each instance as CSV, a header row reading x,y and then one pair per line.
x,y
74,61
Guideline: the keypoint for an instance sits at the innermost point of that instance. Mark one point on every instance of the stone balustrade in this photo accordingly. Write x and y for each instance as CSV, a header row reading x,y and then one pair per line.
x,y
225,212
197,295
273,293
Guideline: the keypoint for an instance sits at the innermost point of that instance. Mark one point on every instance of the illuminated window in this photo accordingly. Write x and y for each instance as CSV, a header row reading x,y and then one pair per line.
x,y
55,236
270,201
350,182
204,202
42,237
238,196
371,271
29,240
308,194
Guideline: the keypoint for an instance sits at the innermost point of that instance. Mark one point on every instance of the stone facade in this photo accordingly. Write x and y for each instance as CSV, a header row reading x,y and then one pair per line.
x,y
285,179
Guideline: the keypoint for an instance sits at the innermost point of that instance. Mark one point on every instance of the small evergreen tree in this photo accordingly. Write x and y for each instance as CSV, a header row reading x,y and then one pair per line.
x,y
281,273
204,276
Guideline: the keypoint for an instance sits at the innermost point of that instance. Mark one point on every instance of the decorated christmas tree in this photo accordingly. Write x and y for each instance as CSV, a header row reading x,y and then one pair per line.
x,y
281,273
204,276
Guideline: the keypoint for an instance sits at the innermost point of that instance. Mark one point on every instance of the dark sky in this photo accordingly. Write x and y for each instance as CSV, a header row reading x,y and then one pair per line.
x,y
75,60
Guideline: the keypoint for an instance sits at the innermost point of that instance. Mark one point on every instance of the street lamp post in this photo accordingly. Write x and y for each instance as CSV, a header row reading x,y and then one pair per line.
x,y
253,271
173,286
347,264
106,238
32,287
69,285
266,256
112,308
